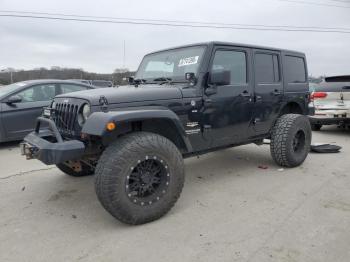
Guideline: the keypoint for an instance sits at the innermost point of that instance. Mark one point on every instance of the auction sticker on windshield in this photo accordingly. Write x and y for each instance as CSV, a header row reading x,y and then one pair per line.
x,y
188,61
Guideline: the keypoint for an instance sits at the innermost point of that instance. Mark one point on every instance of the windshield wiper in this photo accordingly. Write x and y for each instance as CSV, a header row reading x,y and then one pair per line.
x,y
163,79
140,80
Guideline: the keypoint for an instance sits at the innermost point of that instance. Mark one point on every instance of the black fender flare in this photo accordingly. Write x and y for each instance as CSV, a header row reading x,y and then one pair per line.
x,y
97,122
296,102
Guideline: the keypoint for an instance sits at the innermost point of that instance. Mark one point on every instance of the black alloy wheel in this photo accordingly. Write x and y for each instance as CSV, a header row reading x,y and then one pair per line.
x,y
148,181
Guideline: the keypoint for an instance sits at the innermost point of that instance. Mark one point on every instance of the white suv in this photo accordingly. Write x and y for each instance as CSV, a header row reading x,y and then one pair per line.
x,y
331,100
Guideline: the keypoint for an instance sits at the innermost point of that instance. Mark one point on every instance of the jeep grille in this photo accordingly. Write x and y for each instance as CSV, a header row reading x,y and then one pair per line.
x,y
66,117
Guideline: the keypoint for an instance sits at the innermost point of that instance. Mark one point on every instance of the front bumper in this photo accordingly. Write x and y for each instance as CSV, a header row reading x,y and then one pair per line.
x,y
49,147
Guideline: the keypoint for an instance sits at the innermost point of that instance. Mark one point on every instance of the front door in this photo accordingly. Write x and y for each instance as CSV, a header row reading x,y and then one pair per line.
x,y
268,90
228,112
19,118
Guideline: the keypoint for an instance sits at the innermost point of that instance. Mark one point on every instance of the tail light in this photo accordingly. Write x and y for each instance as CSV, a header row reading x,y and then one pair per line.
x,y
317,95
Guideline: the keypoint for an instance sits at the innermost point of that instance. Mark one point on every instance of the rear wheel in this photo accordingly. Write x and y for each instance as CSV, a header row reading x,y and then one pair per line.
x,y
290,140
75,168
139,177
316,127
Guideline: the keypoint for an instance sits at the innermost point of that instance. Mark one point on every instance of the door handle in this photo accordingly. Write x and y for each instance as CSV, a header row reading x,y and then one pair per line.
x,y
245,93
276,92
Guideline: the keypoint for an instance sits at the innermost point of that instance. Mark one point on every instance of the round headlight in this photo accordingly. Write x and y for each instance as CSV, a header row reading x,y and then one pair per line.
x,y
84,113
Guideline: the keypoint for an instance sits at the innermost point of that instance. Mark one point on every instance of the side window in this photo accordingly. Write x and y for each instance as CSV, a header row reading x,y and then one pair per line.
x,y
234,62
68,88
266,68
295,70
37,93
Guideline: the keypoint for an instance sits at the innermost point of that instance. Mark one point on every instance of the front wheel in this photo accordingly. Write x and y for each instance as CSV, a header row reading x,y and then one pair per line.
x,y
139,177
290,140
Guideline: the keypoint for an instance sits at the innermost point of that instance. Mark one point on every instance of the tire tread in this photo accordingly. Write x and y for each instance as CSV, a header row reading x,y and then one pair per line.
x,y
279,136
119,154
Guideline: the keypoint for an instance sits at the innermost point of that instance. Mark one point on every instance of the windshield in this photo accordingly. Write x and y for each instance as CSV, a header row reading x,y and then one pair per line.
x,y
4,90
171,64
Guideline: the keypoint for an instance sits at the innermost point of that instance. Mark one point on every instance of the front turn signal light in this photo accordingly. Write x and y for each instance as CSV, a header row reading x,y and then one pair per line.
x,y
110,126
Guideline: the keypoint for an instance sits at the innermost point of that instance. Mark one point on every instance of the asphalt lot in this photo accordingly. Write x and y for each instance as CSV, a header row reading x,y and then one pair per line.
x,y
230,210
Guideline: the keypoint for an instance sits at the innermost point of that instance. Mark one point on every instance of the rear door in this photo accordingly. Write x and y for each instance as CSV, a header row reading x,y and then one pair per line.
x,y
268,90
19,118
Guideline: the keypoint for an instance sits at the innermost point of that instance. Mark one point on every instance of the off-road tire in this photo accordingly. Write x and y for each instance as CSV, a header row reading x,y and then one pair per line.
x,y
114,170
316,127
86,171
284,150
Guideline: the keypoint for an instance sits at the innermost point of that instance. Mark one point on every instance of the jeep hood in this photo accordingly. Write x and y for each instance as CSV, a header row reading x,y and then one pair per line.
x,y
127,94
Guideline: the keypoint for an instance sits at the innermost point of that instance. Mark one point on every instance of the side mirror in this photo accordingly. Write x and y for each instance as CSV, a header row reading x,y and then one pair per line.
x,y
220,78
14,99
191,77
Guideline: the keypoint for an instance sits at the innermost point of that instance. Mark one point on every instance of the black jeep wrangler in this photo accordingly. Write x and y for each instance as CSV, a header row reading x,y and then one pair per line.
x,y
182,102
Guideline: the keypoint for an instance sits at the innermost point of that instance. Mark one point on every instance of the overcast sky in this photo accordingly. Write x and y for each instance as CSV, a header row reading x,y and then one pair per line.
x,y
97,47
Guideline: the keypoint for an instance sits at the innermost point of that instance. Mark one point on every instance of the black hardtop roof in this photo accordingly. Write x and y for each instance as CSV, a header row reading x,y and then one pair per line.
x,y
212,43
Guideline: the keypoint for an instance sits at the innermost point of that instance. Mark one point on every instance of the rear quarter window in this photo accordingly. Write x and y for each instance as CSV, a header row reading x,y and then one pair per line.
x,y
295,69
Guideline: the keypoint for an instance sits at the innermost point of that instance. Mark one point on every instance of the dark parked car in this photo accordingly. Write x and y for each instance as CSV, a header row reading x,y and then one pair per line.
x,y
84,81
183,102
101,83
21,103
95,83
